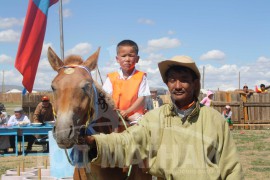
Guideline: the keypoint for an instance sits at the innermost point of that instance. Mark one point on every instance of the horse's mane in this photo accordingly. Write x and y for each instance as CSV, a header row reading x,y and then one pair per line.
x,y
75,59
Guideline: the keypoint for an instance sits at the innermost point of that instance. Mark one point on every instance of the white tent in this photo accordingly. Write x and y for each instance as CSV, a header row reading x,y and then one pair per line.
x,y
14,91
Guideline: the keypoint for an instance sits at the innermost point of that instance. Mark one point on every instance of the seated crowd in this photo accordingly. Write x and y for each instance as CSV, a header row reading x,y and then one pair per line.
x,y
43,112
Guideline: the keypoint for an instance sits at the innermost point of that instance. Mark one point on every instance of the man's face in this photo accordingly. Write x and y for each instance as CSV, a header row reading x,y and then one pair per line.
x,y
18,115
45,103
153,94
182,87
245,89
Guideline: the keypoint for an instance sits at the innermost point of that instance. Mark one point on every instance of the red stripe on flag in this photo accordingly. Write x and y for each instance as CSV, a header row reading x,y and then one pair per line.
x,y
30,45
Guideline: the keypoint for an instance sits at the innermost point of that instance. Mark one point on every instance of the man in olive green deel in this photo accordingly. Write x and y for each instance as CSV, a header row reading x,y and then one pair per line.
x,y
180,140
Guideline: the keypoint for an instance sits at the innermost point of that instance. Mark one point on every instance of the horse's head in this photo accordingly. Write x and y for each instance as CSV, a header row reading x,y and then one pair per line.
x,y
73,88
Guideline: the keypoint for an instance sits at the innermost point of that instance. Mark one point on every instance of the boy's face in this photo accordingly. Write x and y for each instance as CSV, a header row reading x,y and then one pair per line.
x,y
127,57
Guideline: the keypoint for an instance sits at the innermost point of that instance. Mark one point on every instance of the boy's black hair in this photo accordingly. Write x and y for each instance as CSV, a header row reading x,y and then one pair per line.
x,y
262,85
128,42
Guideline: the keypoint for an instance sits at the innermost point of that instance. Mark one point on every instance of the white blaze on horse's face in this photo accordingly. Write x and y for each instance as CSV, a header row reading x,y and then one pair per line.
x,y
72,87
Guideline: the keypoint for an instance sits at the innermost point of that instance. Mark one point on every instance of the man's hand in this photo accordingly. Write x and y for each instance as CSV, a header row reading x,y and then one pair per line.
x,y
92,153
90,140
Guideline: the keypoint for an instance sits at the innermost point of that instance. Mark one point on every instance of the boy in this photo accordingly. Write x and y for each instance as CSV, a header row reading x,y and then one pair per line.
x,y
128,86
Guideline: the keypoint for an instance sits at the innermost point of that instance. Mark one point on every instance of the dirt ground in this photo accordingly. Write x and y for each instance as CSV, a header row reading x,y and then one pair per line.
x,y
253,147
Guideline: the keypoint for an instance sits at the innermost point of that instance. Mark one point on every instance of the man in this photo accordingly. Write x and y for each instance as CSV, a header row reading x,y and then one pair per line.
x,y
19,118
262,89
153,101
245,95
44,111
180,140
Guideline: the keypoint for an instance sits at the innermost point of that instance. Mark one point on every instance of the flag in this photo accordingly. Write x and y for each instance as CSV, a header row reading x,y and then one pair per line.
x,y
31,41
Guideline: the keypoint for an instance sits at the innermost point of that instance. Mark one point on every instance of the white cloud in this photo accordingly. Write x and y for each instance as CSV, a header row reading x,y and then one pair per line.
x,y
9,36
213,55
10,22
45,49
67,13
81,49
146,21
12,77
5,59
162,43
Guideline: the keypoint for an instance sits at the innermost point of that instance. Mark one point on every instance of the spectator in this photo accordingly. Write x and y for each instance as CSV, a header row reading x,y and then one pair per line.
x,y
207,101
4,140
20,118
153,101
262,89
2,107
227,114
44,111
179,140
246,93
128,86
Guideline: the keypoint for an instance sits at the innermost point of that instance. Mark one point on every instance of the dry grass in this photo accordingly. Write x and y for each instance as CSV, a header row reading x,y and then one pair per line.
x,y
254,150
253,147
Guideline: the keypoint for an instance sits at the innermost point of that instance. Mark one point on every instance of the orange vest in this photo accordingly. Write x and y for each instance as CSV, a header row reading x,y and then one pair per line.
x,y
125,92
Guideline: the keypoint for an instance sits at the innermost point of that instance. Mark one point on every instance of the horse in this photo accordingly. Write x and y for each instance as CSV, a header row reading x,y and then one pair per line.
x,y
79,103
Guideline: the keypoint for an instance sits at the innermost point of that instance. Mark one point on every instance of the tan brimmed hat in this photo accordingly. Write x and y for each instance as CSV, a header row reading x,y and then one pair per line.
x,y
184,61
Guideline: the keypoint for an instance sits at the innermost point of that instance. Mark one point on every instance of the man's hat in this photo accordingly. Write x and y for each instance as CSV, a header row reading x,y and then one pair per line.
x,y
184,61
45,98
18,109
153,89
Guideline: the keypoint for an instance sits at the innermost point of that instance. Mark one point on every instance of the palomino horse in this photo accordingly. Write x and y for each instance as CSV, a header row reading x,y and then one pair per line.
x,y
80,103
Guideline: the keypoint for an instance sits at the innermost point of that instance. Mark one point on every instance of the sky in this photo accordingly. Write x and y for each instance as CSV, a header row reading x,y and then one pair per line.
x,y
228,39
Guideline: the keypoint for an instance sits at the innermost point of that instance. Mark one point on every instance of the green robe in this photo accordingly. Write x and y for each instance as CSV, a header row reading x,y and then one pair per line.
x,y
199,147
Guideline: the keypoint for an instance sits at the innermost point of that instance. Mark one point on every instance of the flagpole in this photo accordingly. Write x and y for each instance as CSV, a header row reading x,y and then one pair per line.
x,y
61,30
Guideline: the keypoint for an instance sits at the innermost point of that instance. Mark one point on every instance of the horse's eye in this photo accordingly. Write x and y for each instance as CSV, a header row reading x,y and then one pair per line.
x,y
53,89
86,88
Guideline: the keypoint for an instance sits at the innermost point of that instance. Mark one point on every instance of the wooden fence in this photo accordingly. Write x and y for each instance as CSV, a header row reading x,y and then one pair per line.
x,y
254,110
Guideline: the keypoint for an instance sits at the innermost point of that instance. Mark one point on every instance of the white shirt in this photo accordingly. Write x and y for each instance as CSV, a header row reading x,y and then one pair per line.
x,y
144,89
13,121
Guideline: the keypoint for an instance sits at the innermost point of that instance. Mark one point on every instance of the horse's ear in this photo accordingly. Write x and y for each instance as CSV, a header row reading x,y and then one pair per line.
x,y
91,62
54,60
